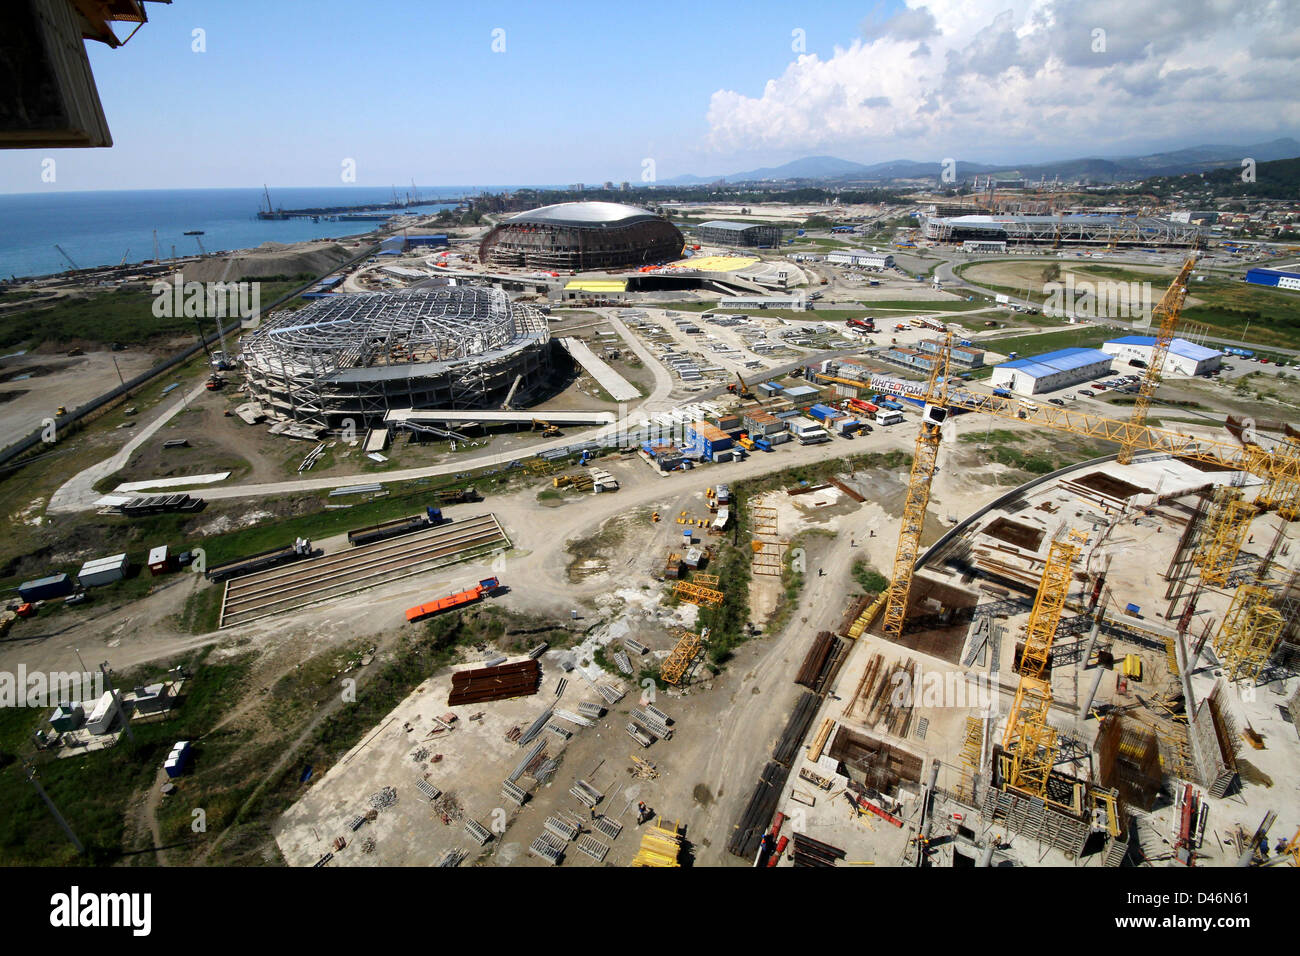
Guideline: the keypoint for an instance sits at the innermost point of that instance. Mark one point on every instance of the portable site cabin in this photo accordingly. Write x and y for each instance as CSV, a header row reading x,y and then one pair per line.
x,y
102,571
159,560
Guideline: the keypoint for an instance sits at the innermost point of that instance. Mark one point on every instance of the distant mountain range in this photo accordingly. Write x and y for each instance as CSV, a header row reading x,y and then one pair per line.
x,y
830,169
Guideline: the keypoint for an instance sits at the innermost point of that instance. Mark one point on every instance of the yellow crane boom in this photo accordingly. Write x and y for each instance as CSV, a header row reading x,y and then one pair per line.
x,y
924,467
1167,309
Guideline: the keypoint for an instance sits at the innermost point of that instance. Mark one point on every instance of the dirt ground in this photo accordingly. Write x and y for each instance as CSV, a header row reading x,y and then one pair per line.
x,y
58,380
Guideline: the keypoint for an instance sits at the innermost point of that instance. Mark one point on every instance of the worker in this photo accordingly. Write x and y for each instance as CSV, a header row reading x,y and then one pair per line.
x,y
821,573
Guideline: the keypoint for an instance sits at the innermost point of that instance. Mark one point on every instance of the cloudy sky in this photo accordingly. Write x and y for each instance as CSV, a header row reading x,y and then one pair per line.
x,y
283,92
1052,78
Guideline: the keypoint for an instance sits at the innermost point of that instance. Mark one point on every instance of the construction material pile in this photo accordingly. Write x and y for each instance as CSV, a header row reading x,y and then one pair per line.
x,y
520,679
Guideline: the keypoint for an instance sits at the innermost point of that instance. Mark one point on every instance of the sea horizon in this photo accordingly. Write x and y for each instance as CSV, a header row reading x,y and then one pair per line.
x,y
102,227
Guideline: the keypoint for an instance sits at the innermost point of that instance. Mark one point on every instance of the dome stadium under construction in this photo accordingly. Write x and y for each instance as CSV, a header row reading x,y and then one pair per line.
x,y
358,356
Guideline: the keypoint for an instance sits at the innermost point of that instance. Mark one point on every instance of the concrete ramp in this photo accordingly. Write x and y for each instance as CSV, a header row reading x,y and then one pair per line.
x,y
619,388
399,415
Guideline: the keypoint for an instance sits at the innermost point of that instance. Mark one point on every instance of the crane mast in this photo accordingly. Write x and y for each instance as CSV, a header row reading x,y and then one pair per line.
x,y
924,467
1168,309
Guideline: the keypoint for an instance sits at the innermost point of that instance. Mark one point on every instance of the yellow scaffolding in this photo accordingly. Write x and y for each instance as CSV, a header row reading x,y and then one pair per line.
x,y
694,594
1249,633
660,846
1226,527
1050,601
1281,493
679,660
1029,745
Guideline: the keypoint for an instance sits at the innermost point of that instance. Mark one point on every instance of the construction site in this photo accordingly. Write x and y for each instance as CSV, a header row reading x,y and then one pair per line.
x,y
356,357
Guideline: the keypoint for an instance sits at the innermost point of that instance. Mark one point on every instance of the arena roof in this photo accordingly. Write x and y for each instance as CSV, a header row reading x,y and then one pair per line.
x,y
994,222
729,225
1180,347
597,214
1062,360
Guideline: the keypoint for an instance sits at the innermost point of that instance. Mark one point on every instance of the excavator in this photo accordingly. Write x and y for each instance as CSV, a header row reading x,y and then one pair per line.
x,y
548,430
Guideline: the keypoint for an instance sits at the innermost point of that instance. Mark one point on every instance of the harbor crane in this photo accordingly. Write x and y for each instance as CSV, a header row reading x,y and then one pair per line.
x,y
75,267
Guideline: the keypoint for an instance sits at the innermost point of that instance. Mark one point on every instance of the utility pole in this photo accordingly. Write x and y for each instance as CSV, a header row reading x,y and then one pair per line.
x,y
54,811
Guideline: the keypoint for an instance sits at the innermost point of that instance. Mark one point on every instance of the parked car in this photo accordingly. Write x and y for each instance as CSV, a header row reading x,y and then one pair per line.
x,y
1056,401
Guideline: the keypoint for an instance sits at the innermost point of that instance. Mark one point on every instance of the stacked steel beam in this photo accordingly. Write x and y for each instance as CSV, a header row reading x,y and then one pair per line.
x,y
810,852
758,812
796,729
520,679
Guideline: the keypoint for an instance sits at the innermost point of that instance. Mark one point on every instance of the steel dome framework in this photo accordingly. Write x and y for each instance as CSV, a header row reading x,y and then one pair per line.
x,y
357,356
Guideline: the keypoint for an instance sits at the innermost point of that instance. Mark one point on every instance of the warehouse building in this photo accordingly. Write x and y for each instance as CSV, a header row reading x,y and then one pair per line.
x,y
1277,278
720,232
1052,371
862,258
795,301
1183,357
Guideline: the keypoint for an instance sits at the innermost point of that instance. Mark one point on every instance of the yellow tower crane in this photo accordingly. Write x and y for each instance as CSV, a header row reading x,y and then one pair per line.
x,y
924,467
1167,309
1226,527
1029,744
1279,466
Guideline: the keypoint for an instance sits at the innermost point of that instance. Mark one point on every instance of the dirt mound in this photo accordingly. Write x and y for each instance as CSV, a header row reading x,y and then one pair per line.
x,y
271,259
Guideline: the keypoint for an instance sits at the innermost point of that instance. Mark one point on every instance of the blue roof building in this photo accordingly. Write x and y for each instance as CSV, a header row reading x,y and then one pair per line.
x,y
1183,357
1278,278
1051,371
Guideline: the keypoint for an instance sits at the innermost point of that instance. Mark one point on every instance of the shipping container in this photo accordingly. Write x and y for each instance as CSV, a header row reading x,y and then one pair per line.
x,y
42,589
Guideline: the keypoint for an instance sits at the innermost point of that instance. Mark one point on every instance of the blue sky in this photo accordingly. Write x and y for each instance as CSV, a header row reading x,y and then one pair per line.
x,y
288,89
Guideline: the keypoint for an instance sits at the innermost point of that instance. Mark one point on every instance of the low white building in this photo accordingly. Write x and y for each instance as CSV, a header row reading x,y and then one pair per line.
x,y
1052,371
105,713
1183,357
861,257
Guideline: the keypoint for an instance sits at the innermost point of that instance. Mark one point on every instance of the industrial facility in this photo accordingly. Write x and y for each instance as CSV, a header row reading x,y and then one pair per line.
x,y
1051,371
358,356
580,236
1103,230
1182,357
862,258
720,232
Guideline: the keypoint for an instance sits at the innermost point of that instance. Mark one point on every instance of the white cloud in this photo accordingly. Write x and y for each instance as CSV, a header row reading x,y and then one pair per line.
x,y
950,74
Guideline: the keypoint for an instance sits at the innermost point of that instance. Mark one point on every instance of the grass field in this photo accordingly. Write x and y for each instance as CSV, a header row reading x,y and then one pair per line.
x,y
1228,308
121,315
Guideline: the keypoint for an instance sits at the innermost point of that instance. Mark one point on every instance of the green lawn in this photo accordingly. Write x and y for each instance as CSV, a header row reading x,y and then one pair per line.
x,y
120,315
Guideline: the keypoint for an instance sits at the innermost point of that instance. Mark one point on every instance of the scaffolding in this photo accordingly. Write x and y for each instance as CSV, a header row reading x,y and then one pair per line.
x,y
1053,590
1281,493
683,654
1250,631
694,594
1224,532
358,356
